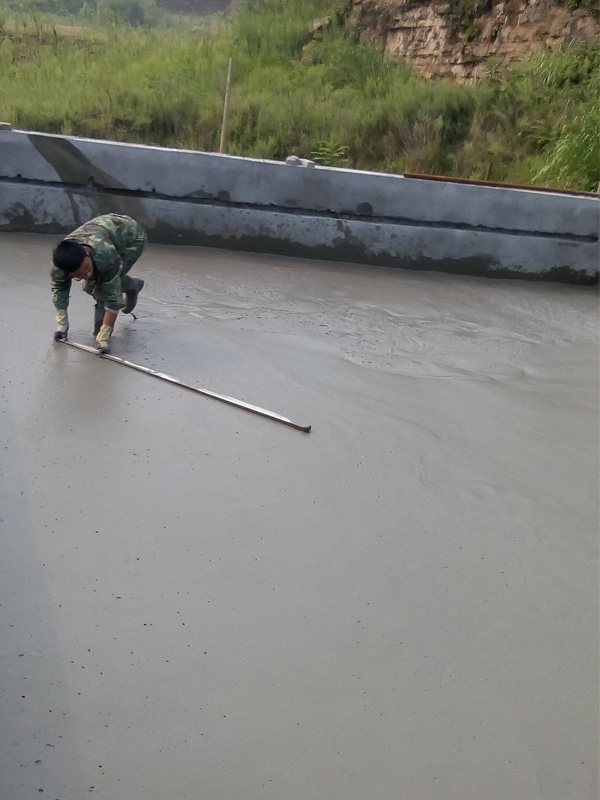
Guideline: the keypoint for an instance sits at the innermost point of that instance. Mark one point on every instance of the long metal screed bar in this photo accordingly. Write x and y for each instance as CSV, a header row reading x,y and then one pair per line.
x,y
262,412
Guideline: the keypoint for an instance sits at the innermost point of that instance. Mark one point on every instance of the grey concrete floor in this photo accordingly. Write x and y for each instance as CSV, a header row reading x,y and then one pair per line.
x,y
200,603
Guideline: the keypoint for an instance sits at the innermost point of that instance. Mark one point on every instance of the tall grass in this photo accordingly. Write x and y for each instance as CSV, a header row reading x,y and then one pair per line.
x,y
317,94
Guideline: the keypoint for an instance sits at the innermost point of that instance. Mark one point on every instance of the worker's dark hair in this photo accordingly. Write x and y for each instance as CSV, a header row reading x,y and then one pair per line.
x,y
68,255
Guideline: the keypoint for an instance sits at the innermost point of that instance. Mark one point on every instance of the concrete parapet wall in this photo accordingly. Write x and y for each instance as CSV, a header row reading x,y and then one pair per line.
x,y
54,183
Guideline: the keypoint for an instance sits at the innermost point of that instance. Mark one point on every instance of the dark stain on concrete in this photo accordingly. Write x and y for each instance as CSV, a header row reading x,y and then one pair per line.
x,y
59,153
364,209
19,218
197,194
101,185
73,167
351,249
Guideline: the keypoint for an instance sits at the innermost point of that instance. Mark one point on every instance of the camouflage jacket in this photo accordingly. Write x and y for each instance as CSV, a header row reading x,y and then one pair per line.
x,y
116,242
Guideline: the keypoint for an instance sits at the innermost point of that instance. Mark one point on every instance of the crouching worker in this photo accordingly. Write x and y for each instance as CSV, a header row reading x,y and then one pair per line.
x,y
100,254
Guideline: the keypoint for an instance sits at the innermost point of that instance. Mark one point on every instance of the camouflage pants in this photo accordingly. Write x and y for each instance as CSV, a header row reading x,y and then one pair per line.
x,y
126,284
133,252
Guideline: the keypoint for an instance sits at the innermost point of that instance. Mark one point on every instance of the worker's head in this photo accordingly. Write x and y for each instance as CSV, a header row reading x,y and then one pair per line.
x,y
73,258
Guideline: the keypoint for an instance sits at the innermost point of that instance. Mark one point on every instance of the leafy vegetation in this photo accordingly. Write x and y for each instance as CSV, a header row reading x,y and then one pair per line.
x,y
132,12
538,123
591,6
301,88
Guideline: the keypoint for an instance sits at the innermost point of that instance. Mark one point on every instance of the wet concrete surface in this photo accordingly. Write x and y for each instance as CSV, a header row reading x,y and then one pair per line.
x,y
200,603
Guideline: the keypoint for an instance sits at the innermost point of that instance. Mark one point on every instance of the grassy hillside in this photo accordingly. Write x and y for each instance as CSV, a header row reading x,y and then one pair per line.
x,y
320,95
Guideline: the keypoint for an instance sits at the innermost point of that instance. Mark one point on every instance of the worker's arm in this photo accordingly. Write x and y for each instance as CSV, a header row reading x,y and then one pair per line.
x,y
62,324
108,291
105,332
61,286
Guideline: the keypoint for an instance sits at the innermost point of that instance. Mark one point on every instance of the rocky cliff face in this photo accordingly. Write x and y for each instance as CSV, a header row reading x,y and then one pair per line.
x,y
424,33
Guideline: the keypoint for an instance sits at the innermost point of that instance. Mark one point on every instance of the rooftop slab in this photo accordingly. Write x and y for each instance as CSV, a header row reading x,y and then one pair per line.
x,y
196,602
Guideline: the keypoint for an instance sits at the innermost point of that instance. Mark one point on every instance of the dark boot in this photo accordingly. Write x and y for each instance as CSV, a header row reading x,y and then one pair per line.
x,y
98,317
131,289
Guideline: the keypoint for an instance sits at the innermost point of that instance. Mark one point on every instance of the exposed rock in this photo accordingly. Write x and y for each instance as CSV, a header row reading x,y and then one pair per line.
x,y
422,32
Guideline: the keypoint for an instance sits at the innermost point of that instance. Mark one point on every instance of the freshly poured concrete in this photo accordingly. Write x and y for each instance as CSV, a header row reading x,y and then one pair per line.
x,y
200,603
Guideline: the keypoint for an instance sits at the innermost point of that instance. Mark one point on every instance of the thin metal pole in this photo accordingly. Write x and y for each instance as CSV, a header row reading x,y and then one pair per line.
x,y
226,108
262,412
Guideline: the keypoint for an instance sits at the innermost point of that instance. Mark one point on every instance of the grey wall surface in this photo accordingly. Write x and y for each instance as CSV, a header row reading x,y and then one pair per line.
x,y
51,183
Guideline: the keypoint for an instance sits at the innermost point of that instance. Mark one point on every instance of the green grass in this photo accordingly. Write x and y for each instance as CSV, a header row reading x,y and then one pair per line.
x,y
324,96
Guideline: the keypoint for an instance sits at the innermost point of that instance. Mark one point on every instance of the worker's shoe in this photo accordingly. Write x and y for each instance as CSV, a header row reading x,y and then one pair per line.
x,y
131,289
98,318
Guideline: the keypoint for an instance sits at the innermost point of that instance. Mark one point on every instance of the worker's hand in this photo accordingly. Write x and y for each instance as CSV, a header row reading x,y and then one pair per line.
x,y
103,339
62,324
